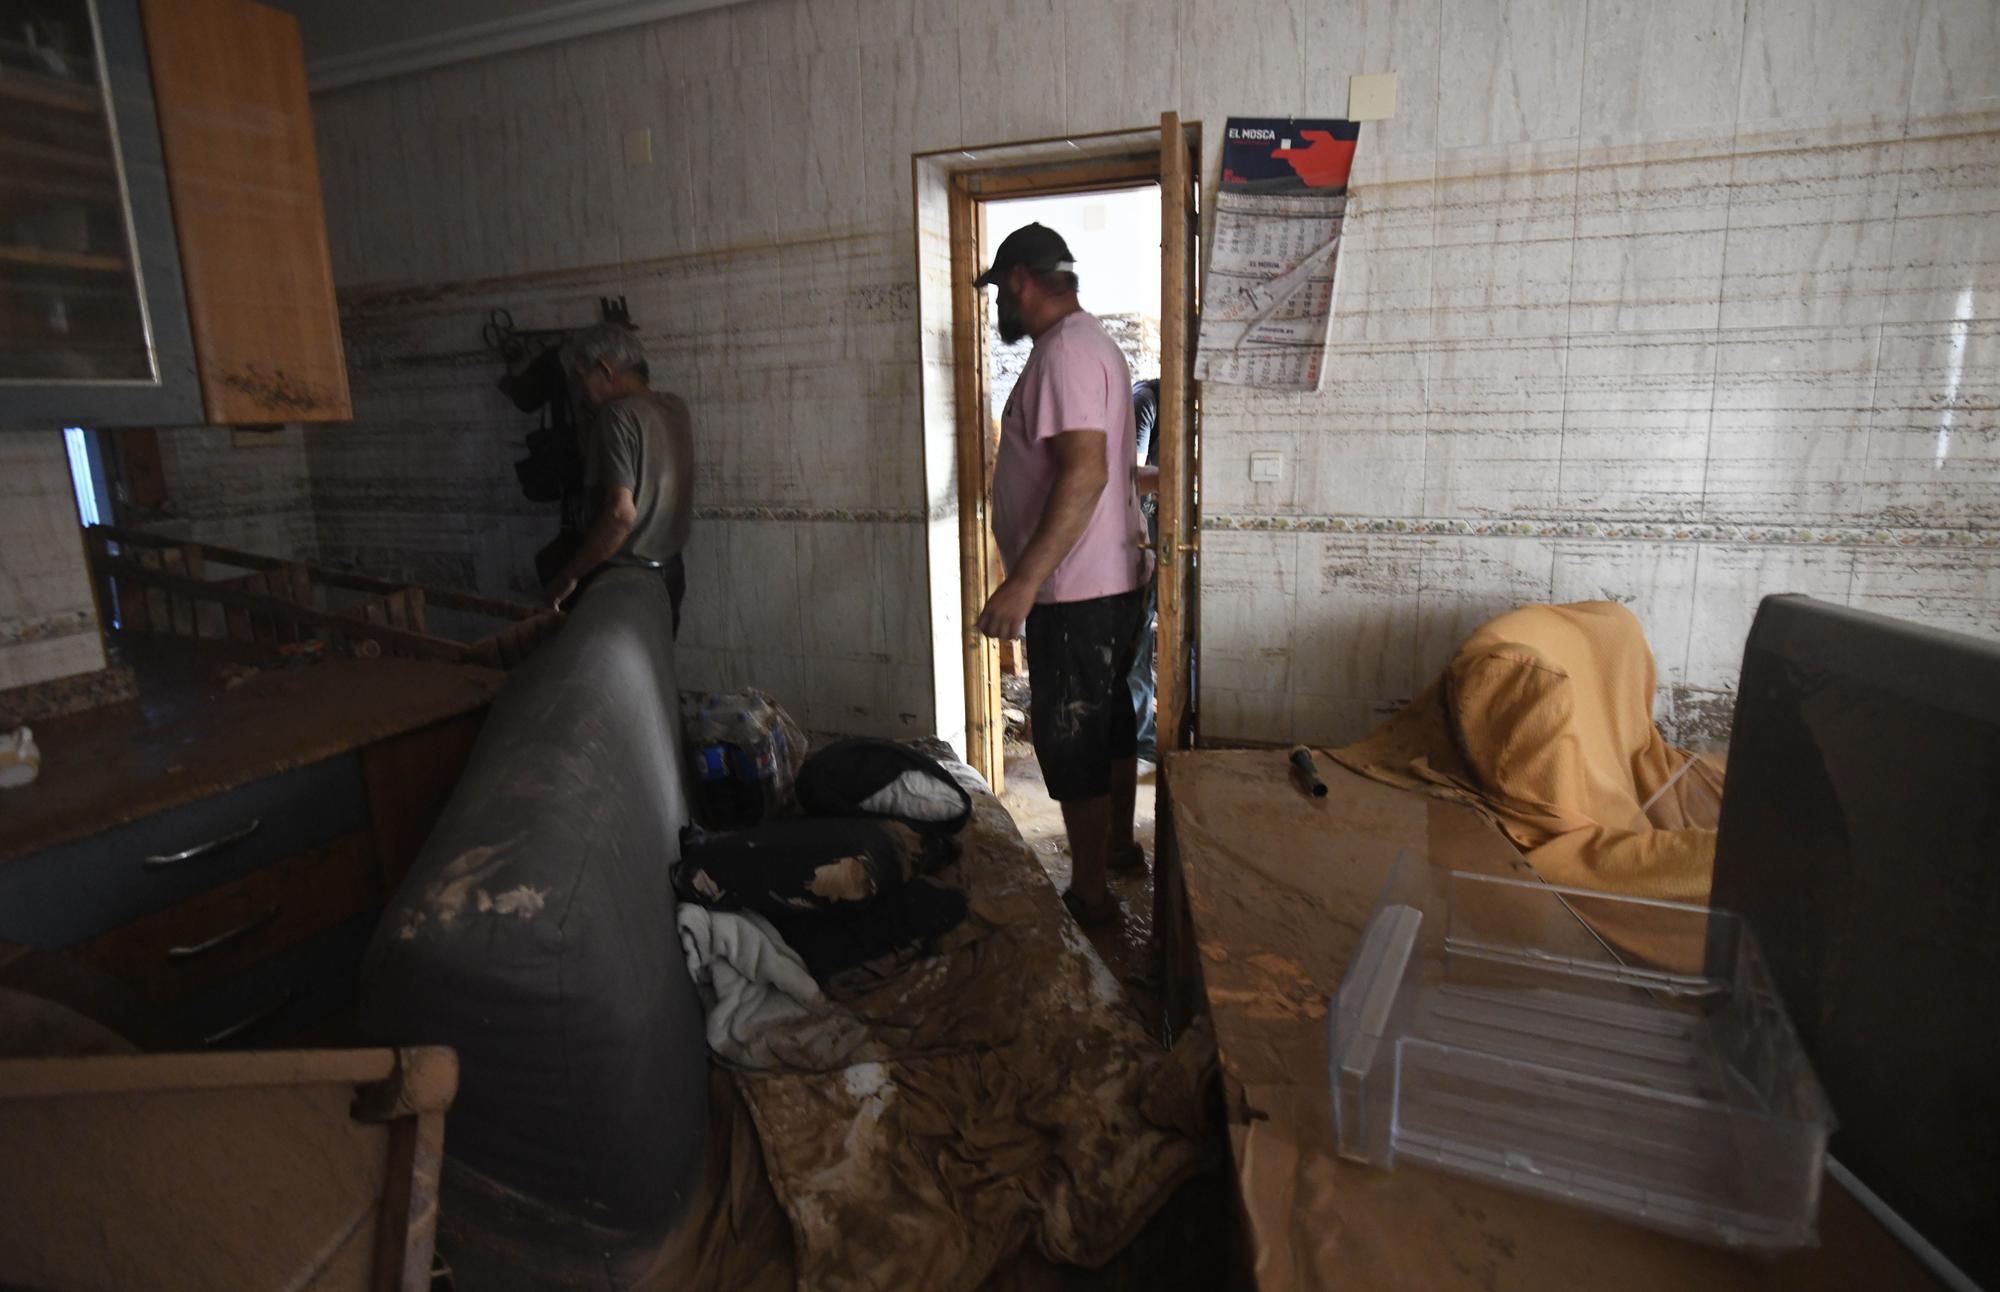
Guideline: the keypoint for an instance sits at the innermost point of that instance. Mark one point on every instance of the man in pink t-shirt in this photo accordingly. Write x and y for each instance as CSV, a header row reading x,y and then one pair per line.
x,y
1066,515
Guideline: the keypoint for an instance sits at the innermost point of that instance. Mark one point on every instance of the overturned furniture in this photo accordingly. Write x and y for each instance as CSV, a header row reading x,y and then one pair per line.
x,y
169,585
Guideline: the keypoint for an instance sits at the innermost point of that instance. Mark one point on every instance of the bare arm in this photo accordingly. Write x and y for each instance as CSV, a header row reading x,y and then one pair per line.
x,y
616,513
1081,476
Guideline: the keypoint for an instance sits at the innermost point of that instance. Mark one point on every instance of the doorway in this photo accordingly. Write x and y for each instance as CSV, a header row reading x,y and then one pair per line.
x,y
962,196
1114,235
967,200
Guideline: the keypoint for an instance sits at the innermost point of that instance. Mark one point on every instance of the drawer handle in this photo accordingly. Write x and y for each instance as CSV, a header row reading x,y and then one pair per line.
x,y
222,940
202,849
254,1021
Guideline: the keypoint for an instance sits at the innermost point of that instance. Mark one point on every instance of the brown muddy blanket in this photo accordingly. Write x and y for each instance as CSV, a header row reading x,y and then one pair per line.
x,y
1013,1099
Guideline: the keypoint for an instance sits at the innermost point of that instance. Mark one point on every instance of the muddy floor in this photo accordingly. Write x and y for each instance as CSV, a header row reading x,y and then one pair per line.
x,y
1127,946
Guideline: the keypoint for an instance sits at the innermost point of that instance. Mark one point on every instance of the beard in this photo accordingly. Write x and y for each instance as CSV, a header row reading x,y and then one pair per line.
x,y
1011,327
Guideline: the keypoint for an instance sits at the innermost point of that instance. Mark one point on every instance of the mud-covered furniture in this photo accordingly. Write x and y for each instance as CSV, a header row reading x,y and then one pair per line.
x,y
535,932
215,853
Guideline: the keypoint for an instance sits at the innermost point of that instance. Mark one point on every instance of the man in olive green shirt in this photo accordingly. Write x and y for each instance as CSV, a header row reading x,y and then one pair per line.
x,y
638,466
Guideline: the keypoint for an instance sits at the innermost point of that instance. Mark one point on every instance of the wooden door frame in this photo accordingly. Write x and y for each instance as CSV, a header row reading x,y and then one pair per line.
x,y
1175,725
1044,168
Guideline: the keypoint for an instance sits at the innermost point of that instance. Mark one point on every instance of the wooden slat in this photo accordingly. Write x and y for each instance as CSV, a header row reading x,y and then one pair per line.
x,y
236,127
985,730
392,1229
41,90
117,1074
413,609
393,605
43,258
1176,478
449,599
291,618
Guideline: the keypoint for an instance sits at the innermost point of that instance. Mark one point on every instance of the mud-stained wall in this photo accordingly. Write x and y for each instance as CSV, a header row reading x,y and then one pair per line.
x,y
1680,304
249,490
48,615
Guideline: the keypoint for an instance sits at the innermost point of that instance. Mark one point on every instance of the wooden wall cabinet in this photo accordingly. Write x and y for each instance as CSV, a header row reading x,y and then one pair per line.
x,y
163,250
229,81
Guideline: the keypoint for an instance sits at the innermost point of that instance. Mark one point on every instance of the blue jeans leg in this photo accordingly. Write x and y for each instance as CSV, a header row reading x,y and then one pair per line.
x,y
1141,683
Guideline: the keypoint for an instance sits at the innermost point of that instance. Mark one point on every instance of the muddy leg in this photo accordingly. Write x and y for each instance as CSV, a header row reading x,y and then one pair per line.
x,y
1088,823
1120,839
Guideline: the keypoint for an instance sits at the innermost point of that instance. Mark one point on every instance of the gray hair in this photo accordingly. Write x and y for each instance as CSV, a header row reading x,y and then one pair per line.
x,y
611,343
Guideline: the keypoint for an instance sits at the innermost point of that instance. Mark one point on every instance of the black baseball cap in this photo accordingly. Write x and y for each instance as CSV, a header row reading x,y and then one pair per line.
x,y
1037,246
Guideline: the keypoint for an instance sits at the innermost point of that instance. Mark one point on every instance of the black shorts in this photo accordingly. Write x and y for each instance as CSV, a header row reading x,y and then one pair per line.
x,y
1079,654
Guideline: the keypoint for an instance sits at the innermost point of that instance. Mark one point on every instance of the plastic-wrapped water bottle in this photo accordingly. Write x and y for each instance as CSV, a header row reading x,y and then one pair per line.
x,y
746,753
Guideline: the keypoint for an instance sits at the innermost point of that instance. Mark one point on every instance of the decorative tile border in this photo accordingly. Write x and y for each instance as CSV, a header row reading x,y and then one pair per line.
x,y
817,515
1613,530
62,696
69,623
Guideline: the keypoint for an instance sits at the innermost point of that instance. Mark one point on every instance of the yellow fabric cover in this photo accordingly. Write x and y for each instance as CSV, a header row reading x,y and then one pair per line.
x,y
1544,722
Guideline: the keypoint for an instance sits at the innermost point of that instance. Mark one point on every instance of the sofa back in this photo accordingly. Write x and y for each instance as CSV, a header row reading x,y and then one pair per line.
x,y
535,932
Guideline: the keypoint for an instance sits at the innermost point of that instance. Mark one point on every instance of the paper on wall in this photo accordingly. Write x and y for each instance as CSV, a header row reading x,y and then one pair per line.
x,y
1267,303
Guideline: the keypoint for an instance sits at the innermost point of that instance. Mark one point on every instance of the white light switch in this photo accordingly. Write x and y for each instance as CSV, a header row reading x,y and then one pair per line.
x,y
1267,467
1371,97
638,148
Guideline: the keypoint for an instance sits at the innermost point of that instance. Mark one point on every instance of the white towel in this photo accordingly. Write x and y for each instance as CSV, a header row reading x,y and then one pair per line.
x,y
764,1009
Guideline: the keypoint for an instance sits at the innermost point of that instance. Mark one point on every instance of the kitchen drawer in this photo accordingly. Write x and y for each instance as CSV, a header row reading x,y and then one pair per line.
x,y
75,892
215,935
282,996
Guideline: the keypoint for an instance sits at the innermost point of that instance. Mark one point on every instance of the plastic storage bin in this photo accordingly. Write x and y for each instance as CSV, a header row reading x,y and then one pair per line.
x,y
1626,1055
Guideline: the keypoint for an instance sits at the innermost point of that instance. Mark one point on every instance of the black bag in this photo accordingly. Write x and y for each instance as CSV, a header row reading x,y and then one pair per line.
x,y
886,781
904,923
797,864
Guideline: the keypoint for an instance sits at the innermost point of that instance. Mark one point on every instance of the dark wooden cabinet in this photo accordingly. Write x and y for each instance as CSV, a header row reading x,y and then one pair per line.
x,y
212,860
240,919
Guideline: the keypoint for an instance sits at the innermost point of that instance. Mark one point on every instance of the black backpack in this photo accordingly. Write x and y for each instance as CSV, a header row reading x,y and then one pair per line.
x,y
881,779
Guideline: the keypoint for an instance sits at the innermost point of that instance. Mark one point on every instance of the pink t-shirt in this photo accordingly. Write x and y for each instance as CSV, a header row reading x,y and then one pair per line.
x,y
1076,380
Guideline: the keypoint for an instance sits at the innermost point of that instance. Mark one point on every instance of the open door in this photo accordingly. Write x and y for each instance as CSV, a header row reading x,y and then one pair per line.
x,y
1180,444
979,557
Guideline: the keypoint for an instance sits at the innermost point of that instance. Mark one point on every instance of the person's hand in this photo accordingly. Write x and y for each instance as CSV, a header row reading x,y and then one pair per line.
x,y
1007,610
558,592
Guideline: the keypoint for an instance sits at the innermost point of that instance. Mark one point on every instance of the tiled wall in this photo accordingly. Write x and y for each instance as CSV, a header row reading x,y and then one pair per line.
x,y
248,490
48,618
1681,303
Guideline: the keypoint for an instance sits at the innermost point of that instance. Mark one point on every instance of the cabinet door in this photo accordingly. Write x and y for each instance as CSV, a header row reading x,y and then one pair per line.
x,y
93,329
229,79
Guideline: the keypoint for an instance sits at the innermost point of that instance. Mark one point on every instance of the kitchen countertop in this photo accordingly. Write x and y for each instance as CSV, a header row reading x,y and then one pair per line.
x,y
188,737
